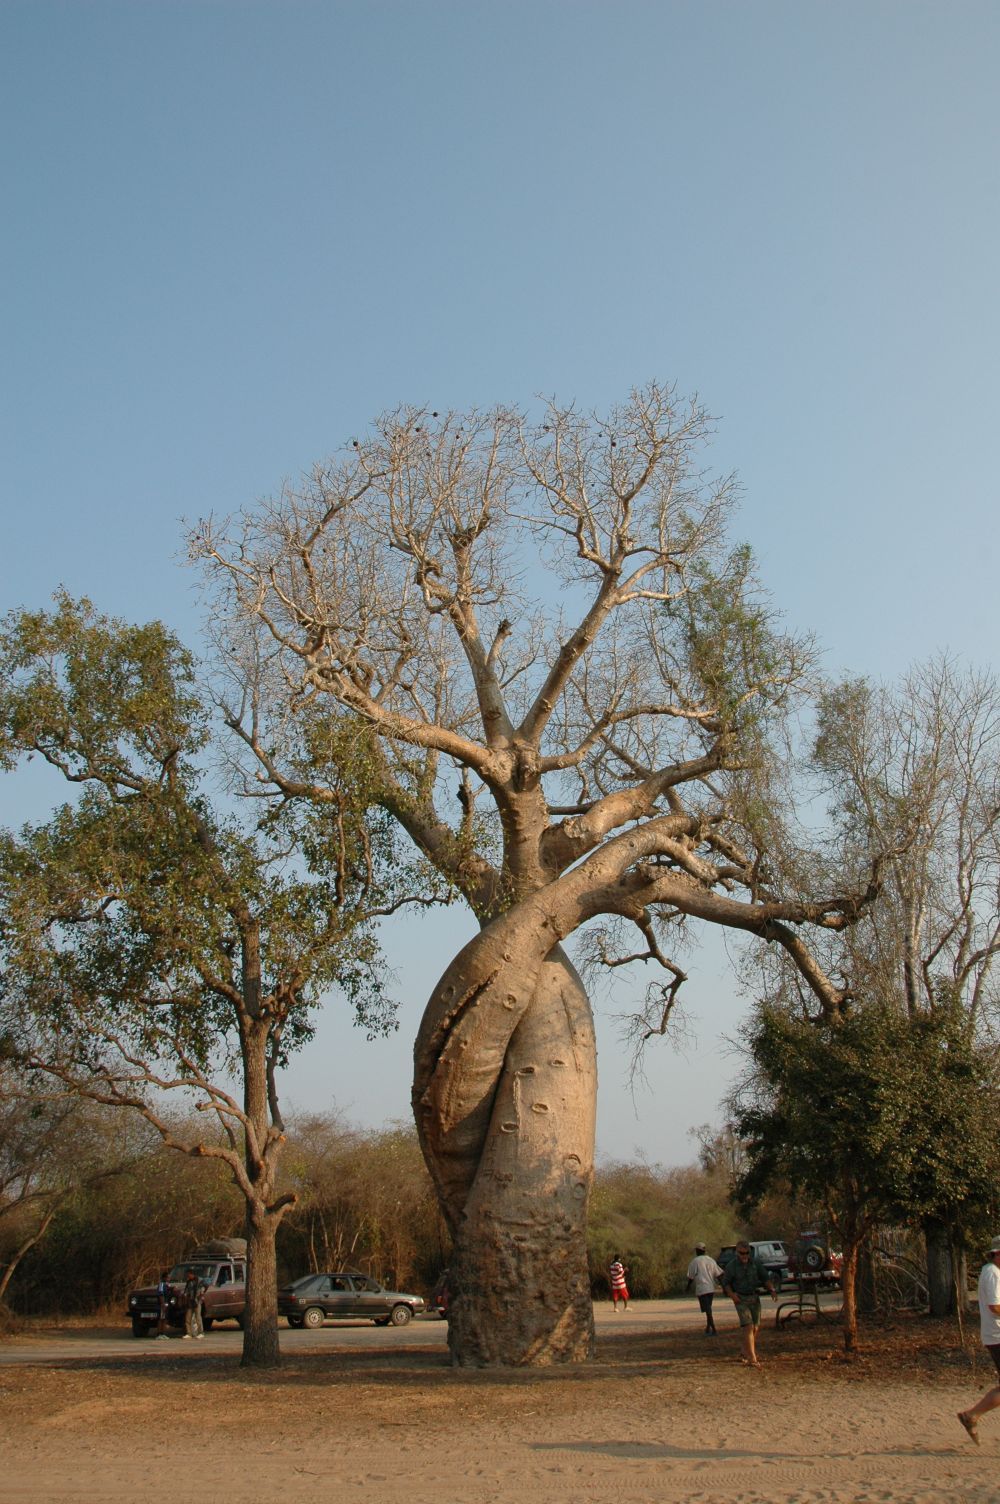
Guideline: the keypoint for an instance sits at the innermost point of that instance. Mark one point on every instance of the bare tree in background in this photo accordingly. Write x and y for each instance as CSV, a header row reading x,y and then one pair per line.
x,y
50,1151
913,772
572,697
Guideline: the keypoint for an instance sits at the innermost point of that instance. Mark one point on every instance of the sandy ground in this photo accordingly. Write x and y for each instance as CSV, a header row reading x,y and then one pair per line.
x,y
663,1414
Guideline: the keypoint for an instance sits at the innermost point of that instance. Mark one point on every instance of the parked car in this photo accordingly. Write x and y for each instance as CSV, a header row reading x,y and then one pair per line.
x,y
813,1261
222,1268
315,1298
771,1252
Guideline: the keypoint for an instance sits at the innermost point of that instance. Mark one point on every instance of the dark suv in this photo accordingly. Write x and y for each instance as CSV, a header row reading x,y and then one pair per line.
x,y
770,1252
314,1298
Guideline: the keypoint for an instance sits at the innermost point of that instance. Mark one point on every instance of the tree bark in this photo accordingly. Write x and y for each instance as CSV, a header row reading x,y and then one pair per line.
x,y
504,1091
260,1318
940,1273
848,1282
866,1283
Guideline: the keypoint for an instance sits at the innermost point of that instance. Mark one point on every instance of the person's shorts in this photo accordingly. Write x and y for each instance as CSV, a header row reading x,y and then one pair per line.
x,y
705,1301
994,1353
748,1310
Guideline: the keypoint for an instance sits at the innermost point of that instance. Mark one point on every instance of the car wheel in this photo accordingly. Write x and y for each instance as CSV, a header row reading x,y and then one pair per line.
x,y
208,1322
294,1321
400,1315
814,1258
312,1318
241,1322
140,1328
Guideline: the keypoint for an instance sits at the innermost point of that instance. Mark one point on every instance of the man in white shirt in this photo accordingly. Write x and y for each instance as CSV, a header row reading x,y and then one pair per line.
x,y
703,1273
989,1332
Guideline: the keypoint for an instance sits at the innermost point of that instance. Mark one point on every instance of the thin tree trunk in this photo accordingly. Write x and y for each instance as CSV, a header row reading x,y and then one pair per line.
x,y
961,1266
10,1267
261,1150
848,1281
865,1283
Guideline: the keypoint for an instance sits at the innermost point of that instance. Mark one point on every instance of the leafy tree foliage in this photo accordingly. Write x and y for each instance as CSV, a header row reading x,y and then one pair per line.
x,y
653,1217
876,1116
363,1200
155,940
911,778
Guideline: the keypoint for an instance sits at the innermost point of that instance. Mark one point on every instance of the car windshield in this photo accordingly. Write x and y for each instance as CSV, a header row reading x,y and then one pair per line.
x,y
205,1272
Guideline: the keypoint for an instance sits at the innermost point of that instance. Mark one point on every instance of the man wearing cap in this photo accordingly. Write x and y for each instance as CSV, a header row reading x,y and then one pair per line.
x,y
989,1332
742,1280
703,1273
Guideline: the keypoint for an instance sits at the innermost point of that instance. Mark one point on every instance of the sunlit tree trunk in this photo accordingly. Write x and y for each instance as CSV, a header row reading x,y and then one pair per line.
x,y
853,1227
264,1211
260,1322
848,1280
515,1163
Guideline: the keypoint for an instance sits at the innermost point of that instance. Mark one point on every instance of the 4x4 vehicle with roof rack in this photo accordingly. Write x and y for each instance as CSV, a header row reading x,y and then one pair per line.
x,y
222,1268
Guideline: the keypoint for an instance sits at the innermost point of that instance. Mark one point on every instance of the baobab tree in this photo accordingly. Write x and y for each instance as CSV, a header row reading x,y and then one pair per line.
x,y
570,694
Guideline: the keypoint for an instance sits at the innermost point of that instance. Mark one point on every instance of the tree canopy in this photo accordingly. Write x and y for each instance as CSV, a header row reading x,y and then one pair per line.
x,y
572,695
875,1117
157,937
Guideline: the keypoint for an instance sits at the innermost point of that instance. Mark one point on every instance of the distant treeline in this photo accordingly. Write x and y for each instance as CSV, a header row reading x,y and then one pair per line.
x,y
364,1202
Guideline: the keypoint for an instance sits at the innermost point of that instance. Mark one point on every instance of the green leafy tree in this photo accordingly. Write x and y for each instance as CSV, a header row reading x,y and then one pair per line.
x,y
653,1217
873,1116
157,941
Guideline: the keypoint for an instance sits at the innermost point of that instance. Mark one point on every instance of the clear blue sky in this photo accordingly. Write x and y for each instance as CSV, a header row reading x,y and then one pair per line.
x,y
233,232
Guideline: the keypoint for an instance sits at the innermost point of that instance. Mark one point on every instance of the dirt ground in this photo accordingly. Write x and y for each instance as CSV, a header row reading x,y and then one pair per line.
x,y
663,1414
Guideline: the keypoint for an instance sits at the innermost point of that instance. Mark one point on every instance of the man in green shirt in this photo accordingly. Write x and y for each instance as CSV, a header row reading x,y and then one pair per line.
x,y
742,1280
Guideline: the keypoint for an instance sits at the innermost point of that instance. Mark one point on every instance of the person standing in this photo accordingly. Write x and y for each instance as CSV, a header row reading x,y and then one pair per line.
x,y
619,1287
742,1280
989,1335
704,1273
164,1295
191,1300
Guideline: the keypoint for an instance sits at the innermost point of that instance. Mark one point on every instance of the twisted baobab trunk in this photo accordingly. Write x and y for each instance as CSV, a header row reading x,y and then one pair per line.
x,y
504,1097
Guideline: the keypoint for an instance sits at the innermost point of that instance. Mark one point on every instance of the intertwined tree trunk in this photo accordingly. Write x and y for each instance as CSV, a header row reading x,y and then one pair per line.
x,y
504,1099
